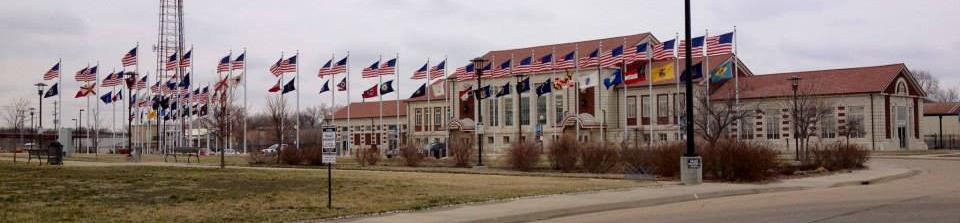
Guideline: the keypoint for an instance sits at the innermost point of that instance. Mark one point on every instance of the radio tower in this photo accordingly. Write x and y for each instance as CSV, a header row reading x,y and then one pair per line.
x,y
169,42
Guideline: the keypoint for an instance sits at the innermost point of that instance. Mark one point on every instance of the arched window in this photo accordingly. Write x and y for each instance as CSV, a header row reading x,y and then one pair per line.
x,y
902,87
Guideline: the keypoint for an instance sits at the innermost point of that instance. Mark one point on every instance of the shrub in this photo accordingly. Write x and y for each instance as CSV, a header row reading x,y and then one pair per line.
x,y
523,156
291,156
372,155
259,158
564,153
838,156
359,154
661,160
599,157
412,156
313,156
739,161
461,154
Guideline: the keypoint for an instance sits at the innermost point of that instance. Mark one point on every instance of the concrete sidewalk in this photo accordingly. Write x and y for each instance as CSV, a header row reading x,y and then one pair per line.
x,y
537,208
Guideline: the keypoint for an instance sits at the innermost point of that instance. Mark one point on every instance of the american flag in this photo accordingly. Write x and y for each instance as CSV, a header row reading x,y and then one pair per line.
x,y
640,52
324,69
371,71
186,61
568,61
204,94
422,72
130,59
465,73
239,62
526,65
141,84
155,88
112,80
505,68
544,64
53,73
224,64
171,62
696,48
275,68
333,69
439,70
722,44
591,59
289,65
613,57
388,68
664,50
87,74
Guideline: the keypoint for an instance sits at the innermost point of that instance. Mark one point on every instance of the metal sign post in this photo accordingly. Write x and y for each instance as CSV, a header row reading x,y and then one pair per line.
x,y
329,156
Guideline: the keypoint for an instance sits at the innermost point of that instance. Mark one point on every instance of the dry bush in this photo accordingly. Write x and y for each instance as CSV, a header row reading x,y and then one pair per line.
x,y
313,156
372,155
412,156
461,153
523,156
739,161
291,156
564,154
359,154
838,156
259,158
599,157
661,160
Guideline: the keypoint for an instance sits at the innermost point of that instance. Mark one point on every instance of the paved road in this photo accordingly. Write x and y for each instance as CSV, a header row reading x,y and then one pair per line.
x,y
931,196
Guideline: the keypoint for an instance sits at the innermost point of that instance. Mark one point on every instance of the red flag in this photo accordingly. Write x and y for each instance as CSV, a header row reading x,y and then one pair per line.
x,y
369,93
276,87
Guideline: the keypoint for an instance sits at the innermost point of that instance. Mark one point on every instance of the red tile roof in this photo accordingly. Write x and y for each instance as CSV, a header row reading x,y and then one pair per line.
x,y
820,82
561,49
941,108
370,110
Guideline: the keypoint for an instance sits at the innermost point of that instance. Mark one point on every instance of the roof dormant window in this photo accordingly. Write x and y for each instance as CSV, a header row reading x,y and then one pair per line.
x,y
902,87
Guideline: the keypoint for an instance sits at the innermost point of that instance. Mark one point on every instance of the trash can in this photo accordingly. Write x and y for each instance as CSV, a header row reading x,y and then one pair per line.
x,y
55,156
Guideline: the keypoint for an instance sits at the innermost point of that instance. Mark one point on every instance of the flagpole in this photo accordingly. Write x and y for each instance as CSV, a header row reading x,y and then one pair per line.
x,y
603,128
189,131
623,80
246,112
649,77
706,74
676,61
333,92
426,89
297,114
349,127
113,111
60,97
229,125
446,112
96,121
576,74
736,80
396,74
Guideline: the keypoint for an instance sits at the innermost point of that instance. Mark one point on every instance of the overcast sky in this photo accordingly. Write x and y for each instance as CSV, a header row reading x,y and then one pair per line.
x,y
773,36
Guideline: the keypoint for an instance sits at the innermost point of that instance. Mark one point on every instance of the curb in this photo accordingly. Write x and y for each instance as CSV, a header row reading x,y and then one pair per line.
x,y
878,180
916,158
571,211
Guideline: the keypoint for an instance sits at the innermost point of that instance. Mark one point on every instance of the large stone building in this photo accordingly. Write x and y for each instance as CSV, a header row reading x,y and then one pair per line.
x,y
882,101
371,124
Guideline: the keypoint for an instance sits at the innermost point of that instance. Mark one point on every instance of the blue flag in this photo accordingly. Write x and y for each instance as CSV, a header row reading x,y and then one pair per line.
x,y
484,92
544,88
420,91
386,87
697,71
504,90
524,85
107,98
290,86
53,91
615,79
326,87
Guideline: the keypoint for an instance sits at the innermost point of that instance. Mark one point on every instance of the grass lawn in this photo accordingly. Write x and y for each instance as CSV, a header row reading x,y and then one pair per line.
x,y
171,194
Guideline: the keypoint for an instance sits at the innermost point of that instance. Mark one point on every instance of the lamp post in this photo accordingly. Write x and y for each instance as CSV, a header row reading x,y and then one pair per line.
x,y
40,87
519,125
79,128
795,84
33,129
691,167
478,69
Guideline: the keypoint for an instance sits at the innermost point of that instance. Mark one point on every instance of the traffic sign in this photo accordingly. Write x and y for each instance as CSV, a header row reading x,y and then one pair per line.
x,y
329,145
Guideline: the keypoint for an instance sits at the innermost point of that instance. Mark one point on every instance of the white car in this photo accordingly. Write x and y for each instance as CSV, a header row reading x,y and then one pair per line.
x,y
272,149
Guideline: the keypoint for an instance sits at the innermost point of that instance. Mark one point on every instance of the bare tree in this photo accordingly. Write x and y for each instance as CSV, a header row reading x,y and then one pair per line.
x,y
279,112
16,113
946,95
931,85
854,128
713,119
316,115
809,110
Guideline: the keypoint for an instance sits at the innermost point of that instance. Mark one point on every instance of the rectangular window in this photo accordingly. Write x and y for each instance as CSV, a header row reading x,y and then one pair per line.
x,y
437,119
855,122
490,140
418,122
772,122
507,111
426,119
524,110
632,110
558,102
542,110
663,109
746,129
492,111
828,125
506,140
645,109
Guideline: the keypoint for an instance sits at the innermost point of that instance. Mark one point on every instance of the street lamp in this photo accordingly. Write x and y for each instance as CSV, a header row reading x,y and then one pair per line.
x,y
795,84
33,129
79,128
691,170
40,87
520,77
478,69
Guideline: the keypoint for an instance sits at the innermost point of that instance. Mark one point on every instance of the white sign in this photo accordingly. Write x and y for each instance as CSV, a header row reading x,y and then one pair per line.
x,y
479,128
329,145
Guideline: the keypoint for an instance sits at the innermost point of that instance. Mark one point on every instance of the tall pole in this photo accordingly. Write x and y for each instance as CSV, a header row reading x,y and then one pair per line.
x,y
379,129
396,74
479,71
796,126
691,166
349,127
245,111
297,114
40,115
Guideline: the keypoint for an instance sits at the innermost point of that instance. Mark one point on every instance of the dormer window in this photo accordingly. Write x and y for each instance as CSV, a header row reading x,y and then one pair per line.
x,y
902,87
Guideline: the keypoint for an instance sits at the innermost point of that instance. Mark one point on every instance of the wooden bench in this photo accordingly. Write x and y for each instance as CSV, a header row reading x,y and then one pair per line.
x,y
183,151
48,154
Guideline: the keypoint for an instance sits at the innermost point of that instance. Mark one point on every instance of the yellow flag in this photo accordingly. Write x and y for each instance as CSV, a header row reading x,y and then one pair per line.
x,y
151,115
663,72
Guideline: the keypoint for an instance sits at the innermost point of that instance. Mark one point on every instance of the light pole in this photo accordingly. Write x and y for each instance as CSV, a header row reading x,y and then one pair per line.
x,y
794,84
691,167
40,87
79,129
519,124
478,69
33,129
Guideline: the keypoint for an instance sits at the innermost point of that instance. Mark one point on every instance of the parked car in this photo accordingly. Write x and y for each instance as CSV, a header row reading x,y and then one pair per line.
x,y
273,149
